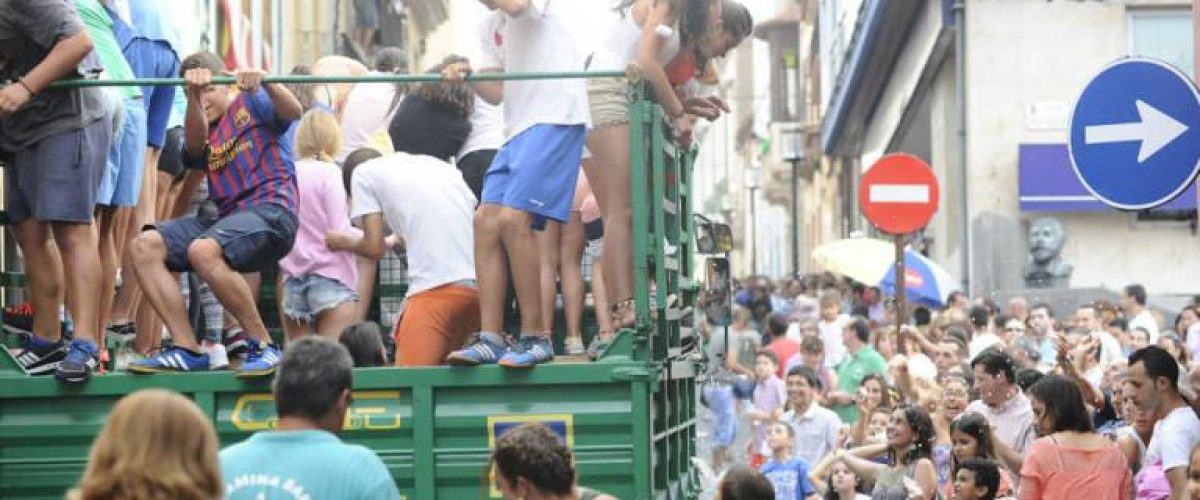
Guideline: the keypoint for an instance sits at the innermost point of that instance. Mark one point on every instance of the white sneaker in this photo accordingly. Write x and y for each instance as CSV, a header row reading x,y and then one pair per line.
x,y
218,359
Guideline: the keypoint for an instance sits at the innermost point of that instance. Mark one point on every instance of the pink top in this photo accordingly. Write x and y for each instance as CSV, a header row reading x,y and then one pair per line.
x,y
1059,471
323,207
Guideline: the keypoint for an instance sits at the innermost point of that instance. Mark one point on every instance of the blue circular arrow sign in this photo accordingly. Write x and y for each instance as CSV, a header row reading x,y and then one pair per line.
x,y
1135,134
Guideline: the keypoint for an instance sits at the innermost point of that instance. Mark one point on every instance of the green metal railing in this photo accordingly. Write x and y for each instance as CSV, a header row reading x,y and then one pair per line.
x,y
319,79
632,414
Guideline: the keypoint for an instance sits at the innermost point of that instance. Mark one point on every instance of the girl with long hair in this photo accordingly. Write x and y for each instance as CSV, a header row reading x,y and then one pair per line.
x,y
973,437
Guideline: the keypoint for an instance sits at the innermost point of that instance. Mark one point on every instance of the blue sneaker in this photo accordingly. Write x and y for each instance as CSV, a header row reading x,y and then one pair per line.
x,y
261,360
82,359
481,351
529,351
174,359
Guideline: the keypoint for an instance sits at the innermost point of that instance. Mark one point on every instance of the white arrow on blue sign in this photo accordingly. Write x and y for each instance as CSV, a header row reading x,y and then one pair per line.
x,y
1135,134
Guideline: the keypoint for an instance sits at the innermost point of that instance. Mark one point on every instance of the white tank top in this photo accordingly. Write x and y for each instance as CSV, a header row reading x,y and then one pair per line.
x,y
621,42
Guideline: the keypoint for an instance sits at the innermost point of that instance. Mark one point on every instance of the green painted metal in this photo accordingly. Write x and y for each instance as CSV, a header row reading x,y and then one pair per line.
x,y
629,417
317,79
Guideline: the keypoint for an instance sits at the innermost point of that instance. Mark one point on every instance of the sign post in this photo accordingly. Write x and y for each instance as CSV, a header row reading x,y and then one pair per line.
x,y
1135,134
899,194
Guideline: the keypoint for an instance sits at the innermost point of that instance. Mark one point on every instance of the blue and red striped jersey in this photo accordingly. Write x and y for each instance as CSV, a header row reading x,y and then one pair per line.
x,y
249,162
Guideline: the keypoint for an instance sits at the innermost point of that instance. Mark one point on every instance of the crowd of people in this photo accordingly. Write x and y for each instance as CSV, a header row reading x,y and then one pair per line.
x,y
168,204
813,385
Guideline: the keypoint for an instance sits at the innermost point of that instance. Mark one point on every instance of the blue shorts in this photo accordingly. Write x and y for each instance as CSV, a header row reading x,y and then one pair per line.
x,y
720,400
306,297
55,179
536,172
251,240
122,180
154,59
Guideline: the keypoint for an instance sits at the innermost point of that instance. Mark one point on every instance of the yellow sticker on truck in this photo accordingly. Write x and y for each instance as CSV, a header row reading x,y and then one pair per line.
x,y
369,410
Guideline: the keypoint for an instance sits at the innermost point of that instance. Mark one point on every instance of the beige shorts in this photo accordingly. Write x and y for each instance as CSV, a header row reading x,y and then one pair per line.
x,y
609,99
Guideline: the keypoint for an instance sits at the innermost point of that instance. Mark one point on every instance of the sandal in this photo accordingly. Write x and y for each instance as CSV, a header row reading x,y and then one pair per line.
x,y
624,314
599,344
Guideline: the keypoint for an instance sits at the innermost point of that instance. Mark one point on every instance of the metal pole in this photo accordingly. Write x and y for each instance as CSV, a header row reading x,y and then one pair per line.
x,y
900,291
960,97
753,231
381,78
796,217
1196,73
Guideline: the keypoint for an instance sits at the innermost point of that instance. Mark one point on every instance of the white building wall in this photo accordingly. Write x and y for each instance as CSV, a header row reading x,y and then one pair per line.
x,y
1031,51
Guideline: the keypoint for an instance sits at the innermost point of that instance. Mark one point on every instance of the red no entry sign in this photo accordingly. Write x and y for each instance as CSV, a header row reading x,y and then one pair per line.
x,y
899,194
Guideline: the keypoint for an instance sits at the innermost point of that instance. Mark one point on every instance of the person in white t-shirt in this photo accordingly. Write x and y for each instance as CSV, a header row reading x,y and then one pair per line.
x,y
830,327
1154,375
1110,349
370,106
424,201
532,178
1134,305
649,34
487,119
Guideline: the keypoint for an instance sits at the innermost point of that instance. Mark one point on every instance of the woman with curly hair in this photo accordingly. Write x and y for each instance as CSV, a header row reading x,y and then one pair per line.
x,y
909,471
155,445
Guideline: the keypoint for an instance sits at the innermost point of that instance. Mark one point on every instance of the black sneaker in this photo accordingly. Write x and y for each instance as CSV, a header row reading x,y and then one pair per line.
x,y
40,356
124,332
82,360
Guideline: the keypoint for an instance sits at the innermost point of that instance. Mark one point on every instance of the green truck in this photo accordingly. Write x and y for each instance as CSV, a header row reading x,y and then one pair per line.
x,y
630,416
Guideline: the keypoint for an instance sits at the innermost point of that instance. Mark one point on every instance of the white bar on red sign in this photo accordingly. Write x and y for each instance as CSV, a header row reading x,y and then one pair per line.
x,y
899,193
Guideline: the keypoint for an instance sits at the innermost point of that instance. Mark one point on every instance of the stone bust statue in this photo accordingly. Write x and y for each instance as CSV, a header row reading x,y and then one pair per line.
x,y
1045,267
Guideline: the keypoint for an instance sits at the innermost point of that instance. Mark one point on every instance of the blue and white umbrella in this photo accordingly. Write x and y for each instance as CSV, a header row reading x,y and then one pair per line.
x,y
925,282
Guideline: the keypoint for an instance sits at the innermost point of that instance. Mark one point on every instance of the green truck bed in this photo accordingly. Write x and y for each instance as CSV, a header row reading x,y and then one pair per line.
x,y
630,417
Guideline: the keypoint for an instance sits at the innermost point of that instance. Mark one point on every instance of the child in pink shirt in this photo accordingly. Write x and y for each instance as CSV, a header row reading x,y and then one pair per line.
x,y
318,283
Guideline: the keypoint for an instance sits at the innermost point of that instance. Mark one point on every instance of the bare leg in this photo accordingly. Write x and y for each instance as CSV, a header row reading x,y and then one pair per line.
x,y
522,249
609,175
547,243
331,323
79,246
293,329
149,255
108,264
43,267
366,286
491,270
600,300
231,288
571,273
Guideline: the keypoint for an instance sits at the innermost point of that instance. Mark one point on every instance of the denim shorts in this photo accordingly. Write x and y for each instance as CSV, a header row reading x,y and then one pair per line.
x,y
251,240
308,296
122,179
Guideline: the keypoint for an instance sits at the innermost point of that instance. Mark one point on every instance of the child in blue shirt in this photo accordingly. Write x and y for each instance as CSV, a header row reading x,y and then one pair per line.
x,y
789,475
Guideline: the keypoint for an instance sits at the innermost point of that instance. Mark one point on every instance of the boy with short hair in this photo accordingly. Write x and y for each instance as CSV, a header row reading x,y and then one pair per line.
x,y
977,479
55,142
788,474
427,204
235,135
532,178
769,396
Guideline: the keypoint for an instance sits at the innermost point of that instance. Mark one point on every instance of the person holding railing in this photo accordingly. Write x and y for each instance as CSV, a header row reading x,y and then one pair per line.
x,y
56,143
651,34
237,138
531,179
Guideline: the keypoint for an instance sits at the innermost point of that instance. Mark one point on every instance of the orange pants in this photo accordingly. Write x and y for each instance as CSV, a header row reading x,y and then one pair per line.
x,y
436,322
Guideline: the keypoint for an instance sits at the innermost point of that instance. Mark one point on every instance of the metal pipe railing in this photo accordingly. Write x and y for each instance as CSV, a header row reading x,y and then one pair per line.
x,y
319,79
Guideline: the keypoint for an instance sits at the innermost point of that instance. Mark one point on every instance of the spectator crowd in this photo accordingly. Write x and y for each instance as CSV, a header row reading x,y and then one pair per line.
x,y
813,385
